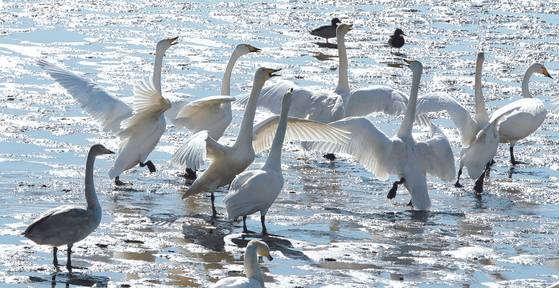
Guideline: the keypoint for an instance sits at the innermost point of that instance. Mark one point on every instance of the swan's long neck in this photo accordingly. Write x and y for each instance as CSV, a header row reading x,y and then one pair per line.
x,y
274,158
156,78
407,123
481,113
90,195
525,89
252,270
343,82
226,83
245,133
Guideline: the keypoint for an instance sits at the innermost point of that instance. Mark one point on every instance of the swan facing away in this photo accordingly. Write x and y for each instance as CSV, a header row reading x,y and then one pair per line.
x,y
253,275
256,190
66,225
400,155
209,113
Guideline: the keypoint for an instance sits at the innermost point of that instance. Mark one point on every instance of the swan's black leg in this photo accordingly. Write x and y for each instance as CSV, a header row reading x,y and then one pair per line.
x,y
69,260
478,186
392,191
329,156
54,256
190,174
245,230
263,220
457,184
214,212
513,161
118,182
150,165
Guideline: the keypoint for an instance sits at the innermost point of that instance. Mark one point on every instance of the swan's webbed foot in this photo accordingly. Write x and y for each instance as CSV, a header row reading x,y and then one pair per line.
x,y
329,156
120,183
513,161
392,191
190,174
150,165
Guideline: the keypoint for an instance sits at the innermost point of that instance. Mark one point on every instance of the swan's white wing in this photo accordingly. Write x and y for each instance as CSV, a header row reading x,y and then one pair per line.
x,y
378,98
148,107
436,155
368,145
245,193
105,108
210,113
204,105
297,130
197,148
237,282
271,95
459,115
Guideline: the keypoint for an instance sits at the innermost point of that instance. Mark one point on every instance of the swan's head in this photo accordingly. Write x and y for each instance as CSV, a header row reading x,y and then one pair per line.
x,y
99,149
336,21
266,73
542,70
414,65
399,32
343,28
166,43
243,49
262,248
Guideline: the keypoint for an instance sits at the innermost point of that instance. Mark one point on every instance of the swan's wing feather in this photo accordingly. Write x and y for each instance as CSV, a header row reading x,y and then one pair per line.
x,y
102,106
364,101
203,105
368,145
245,193
236,282
197,148
270,96
436,156
459,115
148,106
297,130
208,113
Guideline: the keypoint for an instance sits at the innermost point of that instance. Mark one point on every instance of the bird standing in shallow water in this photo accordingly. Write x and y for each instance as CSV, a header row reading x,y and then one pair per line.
x,y
327,31
397,40
66,225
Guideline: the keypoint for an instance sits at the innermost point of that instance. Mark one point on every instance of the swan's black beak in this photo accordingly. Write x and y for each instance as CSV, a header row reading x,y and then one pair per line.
x,y
274,71
404,34
253,49
408,62
546,73
350,27
110,152
173,40
270,257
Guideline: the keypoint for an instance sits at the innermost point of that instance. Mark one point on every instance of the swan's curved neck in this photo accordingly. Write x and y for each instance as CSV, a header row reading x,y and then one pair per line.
x,y
525,89
156,77
252,270
407,123
245,133
343,82
481,113
226,82
90,195
274,158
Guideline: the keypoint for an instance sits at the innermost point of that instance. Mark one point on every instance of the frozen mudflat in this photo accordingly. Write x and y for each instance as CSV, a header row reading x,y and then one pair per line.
x,y
333,223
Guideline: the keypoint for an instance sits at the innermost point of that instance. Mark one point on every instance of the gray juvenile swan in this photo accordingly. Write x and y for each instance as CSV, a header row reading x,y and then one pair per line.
x,y
68,224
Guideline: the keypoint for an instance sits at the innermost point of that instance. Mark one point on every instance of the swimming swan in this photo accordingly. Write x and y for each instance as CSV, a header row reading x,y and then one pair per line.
x,y
253,275
66,225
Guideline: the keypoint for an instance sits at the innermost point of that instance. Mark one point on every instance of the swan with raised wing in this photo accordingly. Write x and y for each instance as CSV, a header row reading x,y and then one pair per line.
x,y
253,275
400,155
66,225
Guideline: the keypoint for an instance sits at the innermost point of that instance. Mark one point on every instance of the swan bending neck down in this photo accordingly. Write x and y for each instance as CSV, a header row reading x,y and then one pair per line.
x,y
256,190
227,161
253,274
141,132
66,225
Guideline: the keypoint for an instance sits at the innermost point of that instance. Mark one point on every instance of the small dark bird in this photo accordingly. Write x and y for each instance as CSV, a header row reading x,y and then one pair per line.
x,y
327,31
397,40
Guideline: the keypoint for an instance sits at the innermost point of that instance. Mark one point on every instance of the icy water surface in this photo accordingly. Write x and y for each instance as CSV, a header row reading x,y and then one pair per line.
x,y
336,226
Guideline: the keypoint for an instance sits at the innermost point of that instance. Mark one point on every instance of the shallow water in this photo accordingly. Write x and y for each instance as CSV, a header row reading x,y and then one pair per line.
x,y
335,223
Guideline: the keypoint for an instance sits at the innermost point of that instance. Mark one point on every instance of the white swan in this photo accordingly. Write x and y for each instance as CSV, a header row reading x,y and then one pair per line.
x,y
209,113
334,105
529,113
255,190
253,275
401,155
229,161
109,110
66,225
